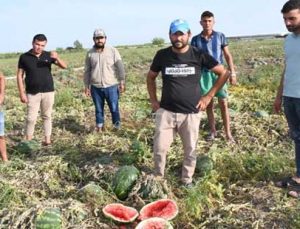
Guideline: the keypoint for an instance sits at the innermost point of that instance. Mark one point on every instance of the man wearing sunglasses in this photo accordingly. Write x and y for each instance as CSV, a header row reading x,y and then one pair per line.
x,y
104,78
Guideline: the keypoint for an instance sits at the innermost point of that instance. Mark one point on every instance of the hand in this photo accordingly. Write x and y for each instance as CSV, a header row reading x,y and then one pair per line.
x,y
121,87
87,92
54,55
203,102
23,98
232,79
277,105
155,106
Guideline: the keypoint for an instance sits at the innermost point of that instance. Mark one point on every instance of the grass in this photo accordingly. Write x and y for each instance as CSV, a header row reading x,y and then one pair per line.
x,y
238,193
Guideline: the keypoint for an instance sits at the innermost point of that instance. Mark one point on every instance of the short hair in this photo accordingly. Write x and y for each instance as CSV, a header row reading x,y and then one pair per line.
x,y
207,14
290,5
39,37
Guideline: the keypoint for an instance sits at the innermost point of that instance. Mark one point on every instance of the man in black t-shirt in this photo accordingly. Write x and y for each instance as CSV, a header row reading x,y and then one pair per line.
x,y
36,65
181,101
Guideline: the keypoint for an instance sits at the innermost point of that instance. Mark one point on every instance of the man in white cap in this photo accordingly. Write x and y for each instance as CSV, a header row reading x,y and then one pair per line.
x,y
104,78
178,111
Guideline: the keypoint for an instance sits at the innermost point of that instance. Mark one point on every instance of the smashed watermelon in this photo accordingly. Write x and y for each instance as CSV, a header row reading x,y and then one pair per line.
x,y
154,223
163,208
120,213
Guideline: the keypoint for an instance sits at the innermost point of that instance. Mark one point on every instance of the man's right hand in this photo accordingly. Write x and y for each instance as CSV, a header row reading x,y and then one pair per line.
x,y
23,98
87,92
155,106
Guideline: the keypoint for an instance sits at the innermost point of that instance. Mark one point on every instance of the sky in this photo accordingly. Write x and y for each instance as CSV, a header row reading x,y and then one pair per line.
x,y
127,22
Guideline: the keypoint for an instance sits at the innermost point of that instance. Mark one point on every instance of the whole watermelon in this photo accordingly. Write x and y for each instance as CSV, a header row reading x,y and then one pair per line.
x,y
49,218
124,180
28,146
204,165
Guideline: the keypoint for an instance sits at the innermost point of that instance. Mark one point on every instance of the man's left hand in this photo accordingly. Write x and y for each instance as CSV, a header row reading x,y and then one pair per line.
x,y
121,87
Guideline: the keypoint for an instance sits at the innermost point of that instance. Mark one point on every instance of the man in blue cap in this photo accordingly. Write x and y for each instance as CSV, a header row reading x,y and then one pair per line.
x,y
178,111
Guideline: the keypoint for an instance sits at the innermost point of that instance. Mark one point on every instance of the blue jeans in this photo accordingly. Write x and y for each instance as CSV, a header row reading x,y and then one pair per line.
x,y
292,113
111,96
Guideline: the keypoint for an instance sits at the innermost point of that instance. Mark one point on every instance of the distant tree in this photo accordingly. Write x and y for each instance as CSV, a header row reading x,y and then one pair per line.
x,y
77,45
58,49
158,41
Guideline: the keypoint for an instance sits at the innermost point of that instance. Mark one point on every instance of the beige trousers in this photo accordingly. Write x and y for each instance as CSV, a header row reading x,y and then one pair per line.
x,y
44,101
167,125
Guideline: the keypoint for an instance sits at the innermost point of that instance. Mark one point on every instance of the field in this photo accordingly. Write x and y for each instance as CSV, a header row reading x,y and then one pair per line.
x,y
238,193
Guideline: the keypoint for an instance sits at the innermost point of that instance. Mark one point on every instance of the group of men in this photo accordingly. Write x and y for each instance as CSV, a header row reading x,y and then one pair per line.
x,y
192,75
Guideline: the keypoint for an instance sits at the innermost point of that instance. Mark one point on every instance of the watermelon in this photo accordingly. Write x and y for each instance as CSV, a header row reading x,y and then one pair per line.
x,y
120,213
124,181
28,146
91,193
49,218
204,165
154,223
261,114
163,208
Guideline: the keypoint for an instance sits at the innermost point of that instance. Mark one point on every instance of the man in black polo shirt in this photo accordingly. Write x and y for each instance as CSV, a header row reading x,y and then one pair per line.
x,y
178,110
36,65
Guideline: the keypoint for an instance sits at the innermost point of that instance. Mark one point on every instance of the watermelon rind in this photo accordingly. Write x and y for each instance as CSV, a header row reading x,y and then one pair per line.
x,y
120,213
154,222
124,181
163,208
49,218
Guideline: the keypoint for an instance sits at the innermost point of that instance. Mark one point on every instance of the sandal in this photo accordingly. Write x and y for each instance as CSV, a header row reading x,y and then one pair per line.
x,y
287,182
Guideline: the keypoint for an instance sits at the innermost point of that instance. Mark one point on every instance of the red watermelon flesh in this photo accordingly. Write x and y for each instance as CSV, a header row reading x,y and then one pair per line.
x,y
154,223
120,212
164,208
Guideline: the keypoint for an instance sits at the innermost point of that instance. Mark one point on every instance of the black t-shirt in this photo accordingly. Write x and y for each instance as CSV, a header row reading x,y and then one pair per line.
x,y
181,75
38,72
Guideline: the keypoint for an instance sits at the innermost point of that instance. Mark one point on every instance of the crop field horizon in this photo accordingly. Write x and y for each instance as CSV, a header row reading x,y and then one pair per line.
x,y
75,175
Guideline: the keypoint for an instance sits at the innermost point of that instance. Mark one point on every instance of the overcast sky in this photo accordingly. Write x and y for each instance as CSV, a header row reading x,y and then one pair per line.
x,y
128,21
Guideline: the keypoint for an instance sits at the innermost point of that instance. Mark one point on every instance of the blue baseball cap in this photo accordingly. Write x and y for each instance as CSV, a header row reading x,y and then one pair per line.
x,y
179,25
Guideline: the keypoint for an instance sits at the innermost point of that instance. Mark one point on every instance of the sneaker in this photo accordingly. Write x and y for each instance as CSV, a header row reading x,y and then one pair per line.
x,y
117,125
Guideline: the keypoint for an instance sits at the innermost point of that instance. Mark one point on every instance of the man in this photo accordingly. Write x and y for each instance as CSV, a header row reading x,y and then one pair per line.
x,y
36,65
2,138
216,45
104,78
178,110
288,91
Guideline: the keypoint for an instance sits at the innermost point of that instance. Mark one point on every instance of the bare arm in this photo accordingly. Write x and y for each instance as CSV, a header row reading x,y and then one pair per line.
x,y
20,82
2,88
229,61
59,62
151,86
223,75
278,100
86,76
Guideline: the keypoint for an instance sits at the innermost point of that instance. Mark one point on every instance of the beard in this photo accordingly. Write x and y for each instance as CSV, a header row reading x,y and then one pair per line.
x,y
179,44
293,28
99,45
